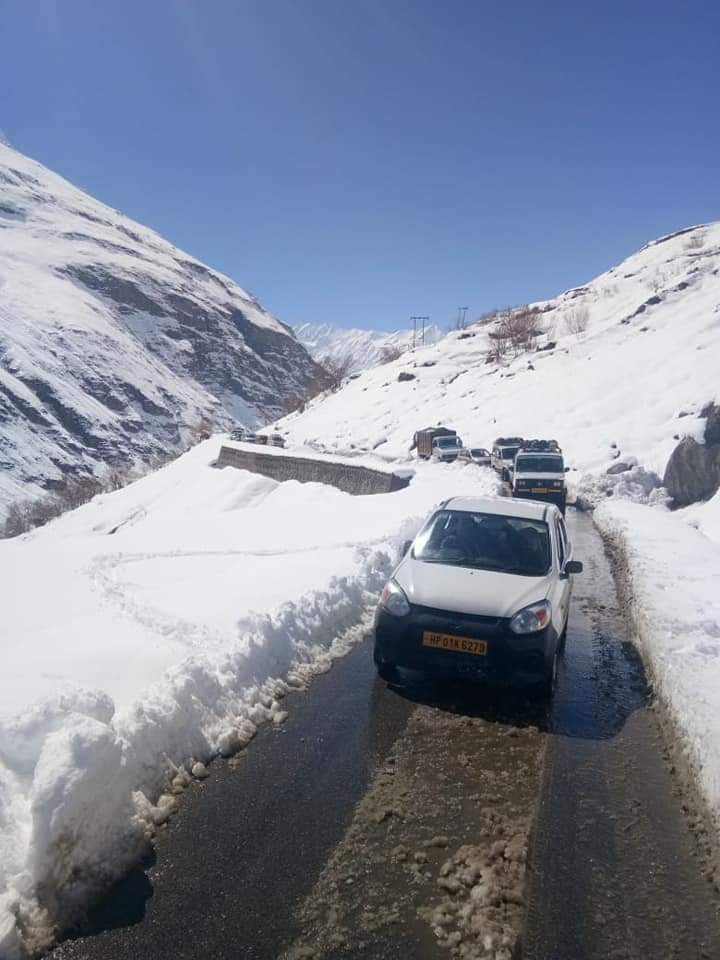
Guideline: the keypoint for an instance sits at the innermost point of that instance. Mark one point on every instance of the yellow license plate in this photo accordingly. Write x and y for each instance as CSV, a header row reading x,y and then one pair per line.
x,y
539,490
445,641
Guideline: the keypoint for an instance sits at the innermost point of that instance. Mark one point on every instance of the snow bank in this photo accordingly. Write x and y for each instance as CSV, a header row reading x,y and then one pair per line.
x,y
153,629
673,583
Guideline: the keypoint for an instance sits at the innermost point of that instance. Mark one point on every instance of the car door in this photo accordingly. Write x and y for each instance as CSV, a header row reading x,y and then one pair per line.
x,y
565,581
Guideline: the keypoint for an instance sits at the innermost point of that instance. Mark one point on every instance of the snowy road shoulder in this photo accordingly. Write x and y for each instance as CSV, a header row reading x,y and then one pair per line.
x,y
153,629
671,574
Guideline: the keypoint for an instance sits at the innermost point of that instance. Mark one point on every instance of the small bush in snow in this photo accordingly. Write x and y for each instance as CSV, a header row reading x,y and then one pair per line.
x,y
515,330
391,353
576,320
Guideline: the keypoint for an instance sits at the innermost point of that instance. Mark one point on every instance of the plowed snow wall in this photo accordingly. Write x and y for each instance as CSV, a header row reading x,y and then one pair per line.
x,y
348,477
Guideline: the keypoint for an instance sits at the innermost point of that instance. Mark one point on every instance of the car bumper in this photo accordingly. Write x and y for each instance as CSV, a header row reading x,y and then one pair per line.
x,y
509,658
551,496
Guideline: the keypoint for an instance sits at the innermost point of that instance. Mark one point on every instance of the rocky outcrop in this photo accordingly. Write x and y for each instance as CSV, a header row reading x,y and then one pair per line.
x,y
693,471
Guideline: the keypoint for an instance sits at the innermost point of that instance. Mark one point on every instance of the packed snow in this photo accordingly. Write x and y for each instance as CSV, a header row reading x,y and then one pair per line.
x,y
154,628
354,350
672,579
116,346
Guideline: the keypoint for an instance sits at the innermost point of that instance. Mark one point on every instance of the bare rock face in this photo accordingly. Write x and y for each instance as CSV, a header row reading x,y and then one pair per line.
x,y
693,471
712,424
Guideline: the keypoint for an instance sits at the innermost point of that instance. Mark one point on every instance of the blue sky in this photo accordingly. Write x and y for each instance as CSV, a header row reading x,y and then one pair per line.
x,y
356,163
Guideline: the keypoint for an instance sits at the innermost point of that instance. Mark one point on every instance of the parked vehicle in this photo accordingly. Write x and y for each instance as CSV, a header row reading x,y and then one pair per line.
x,y
438,443
483,591
276,440
478,455
246,436
539,473
503,455
446,449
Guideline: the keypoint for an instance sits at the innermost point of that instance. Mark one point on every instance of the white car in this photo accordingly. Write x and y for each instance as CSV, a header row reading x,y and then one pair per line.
x,y
478,455
483,590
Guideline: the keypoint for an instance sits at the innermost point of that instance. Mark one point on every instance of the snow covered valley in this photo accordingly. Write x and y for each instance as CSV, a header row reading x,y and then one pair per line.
x,y
156,627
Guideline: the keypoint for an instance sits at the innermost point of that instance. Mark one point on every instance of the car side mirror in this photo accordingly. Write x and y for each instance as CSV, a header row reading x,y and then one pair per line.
x,y
567,470
573,566
406,546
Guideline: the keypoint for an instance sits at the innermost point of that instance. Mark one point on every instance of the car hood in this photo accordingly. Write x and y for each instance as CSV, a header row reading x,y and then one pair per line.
x,y
464,590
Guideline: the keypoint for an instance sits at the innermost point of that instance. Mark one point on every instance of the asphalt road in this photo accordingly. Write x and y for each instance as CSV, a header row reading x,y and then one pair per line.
x,y
248,842
614,869
617,867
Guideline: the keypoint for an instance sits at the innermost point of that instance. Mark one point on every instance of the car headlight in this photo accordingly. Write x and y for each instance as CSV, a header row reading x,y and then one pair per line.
x,y
393,600
531,619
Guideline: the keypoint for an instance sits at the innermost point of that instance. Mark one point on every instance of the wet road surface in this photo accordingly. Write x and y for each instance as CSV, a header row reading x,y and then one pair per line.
x,y
613,870
248,842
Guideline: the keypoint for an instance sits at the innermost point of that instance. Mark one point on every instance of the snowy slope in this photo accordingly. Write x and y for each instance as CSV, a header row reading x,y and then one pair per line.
x,y
175,615
636,378
359,349
115,345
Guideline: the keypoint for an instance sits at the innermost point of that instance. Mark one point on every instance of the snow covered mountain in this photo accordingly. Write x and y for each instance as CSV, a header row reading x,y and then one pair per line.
x,y
114,344
626,364
359,349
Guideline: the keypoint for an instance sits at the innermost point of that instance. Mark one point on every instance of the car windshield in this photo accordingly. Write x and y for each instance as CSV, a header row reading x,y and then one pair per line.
x,y
539,465
485,541
479,452
508,453
447,442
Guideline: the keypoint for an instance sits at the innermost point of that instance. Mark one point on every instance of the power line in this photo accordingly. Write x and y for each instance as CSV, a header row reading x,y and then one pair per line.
x,y
423,321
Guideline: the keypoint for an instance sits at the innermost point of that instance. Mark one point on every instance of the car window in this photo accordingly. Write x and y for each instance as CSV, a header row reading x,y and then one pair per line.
x,y
562,546
539,464
485,542
564,538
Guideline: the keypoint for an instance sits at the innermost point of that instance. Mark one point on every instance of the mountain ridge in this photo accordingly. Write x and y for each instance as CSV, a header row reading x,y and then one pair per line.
x,y
356,349
115,345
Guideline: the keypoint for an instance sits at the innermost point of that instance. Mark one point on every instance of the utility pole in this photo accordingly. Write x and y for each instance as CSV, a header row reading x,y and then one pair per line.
x,y
462,313
423,321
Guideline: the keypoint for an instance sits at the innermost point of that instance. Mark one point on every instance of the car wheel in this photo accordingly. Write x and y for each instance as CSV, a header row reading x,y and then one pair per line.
x,y
386,671
545,688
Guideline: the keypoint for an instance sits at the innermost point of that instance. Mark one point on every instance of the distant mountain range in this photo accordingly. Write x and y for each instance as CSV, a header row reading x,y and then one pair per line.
x,y
114,344
360,349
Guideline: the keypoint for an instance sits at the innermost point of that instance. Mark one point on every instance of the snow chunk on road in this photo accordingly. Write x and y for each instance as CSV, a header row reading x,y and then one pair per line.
x,y
673,581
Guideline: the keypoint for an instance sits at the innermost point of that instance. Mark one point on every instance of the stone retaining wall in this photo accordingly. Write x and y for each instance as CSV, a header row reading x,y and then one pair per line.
x,y
345,476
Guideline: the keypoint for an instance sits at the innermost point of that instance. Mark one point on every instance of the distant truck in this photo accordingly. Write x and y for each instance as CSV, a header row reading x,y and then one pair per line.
x,y
437,443
539,473
502,458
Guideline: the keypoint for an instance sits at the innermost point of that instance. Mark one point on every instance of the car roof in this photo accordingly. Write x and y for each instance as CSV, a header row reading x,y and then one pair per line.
x,y
501,506
540,453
